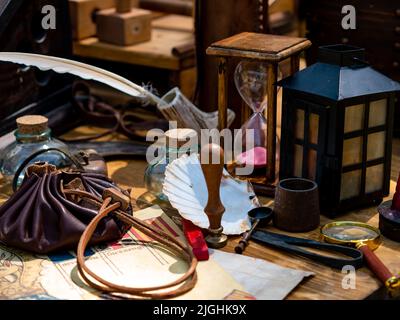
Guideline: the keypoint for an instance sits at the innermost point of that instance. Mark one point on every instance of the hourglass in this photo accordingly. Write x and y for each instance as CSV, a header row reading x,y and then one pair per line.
x,y
266,51
251,82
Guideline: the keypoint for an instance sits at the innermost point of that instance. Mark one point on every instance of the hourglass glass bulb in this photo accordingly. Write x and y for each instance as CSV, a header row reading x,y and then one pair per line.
x,y
251,80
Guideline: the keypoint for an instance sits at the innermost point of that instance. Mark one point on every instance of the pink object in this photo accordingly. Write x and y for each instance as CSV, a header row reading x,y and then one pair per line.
x,y
256,157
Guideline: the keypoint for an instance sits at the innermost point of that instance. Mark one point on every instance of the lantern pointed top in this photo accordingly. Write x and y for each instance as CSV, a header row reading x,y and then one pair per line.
x,y
341,73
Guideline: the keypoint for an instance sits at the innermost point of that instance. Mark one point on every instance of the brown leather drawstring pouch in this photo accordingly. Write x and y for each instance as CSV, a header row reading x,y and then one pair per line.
x,y
113,203
56,210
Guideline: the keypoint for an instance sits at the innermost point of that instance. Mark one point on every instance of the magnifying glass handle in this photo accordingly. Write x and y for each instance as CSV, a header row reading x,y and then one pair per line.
x,y
375,264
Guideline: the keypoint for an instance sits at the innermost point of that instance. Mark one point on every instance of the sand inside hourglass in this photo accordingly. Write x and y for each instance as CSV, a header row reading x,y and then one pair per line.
x,y
254,142
251,83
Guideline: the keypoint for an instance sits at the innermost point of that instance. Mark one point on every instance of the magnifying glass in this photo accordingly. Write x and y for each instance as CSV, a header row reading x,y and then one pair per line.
x,y
365,238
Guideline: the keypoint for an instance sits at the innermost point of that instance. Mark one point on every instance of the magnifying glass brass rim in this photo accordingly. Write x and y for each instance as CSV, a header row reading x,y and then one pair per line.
x,y
372,243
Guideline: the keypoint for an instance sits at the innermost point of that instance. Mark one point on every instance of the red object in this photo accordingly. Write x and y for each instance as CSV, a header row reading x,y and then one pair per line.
x,y
376,265
195,237
396,197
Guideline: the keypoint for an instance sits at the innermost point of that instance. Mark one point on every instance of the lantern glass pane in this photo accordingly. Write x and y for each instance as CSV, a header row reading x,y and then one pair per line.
x,y
299,130
374,179
312,164
351,184
298,161
377,113
354,118
376,145
314,127
352,151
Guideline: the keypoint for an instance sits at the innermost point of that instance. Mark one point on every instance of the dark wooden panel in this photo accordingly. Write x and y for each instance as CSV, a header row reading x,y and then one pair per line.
x,y
378,31
21,31
214,21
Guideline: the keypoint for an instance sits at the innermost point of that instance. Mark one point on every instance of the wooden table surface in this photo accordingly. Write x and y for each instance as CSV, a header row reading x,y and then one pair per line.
x,y
327,282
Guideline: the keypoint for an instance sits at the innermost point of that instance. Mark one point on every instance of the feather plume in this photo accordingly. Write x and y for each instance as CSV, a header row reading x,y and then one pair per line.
x,y
82,70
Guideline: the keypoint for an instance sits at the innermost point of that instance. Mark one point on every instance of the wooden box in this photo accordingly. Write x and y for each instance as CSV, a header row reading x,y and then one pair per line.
x,y
124,28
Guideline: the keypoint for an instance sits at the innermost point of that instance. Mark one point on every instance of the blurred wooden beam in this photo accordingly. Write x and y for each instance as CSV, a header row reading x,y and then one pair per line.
x,y
169,6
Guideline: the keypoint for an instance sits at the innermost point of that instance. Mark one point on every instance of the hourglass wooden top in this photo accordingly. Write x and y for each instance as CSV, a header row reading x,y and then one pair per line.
x,y
259,46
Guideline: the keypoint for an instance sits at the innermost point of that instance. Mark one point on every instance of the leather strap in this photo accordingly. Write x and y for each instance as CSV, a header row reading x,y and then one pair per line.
x,y
180,286
114,118
298,246
104,115
94,111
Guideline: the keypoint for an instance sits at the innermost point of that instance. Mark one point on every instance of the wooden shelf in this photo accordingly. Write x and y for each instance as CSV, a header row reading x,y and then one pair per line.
x,y
170,32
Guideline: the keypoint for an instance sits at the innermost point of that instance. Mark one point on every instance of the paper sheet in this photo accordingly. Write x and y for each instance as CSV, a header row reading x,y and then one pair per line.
x,y
262,279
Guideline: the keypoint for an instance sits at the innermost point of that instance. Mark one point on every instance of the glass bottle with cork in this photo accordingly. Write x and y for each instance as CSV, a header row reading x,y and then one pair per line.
x,y
32,135
177,143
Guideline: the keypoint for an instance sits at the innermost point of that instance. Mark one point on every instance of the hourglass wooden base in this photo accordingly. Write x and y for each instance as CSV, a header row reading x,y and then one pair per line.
x,y
259,180
270,49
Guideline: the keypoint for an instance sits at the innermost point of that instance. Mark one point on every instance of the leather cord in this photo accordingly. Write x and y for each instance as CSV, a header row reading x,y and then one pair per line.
x,y
95,111
113,119
178,287
104,115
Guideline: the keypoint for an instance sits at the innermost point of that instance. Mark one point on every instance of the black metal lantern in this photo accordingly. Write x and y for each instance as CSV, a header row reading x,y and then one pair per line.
x,y
337,123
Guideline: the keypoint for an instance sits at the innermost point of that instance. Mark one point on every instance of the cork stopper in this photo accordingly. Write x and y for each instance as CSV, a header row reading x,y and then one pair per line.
x,y
32,124
176,138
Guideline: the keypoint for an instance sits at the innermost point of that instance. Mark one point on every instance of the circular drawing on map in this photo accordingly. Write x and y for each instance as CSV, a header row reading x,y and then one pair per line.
x,y
11,267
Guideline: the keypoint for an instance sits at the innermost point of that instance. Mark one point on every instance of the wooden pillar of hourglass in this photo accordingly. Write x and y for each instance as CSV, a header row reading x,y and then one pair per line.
x,y
270,49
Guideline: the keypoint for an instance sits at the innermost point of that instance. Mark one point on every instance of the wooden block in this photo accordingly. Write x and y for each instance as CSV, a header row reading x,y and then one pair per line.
x,y
124,28
123,6
82,14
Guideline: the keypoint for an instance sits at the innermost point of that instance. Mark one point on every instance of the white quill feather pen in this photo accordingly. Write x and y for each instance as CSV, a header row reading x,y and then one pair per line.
x,y
82,70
